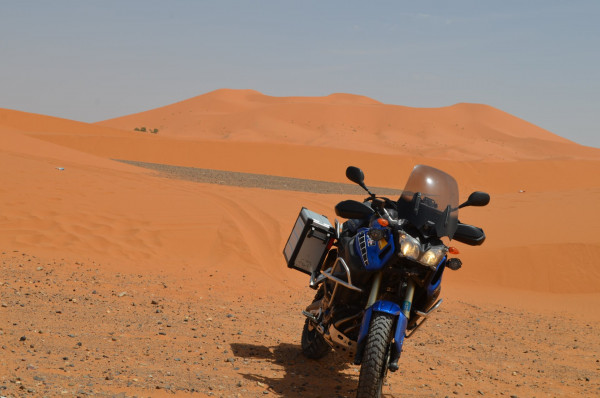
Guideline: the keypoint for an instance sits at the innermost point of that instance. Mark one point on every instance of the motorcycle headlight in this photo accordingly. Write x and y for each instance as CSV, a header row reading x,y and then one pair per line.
x,y
433,256
409,247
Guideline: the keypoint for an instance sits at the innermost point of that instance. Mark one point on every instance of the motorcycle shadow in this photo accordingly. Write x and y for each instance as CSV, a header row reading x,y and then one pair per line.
x,y
302,377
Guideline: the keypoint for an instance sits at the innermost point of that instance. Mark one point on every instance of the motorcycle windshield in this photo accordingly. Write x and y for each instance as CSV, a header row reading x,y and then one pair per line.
x,y
430,201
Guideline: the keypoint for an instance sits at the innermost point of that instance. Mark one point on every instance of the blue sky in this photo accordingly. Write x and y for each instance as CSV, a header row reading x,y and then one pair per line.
x,y
94,60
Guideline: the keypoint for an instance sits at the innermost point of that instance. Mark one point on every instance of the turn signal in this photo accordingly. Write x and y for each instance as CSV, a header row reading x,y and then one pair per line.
x,y
383,222
453,250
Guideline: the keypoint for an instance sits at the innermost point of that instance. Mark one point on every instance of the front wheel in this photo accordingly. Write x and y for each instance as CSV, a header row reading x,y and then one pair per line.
x,y
375,357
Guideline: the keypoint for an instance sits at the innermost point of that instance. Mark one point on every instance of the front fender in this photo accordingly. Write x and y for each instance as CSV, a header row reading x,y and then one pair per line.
x,y
387,307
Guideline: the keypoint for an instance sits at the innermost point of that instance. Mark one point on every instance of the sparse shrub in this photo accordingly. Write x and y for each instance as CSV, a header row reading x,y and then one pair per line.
x,y
143,130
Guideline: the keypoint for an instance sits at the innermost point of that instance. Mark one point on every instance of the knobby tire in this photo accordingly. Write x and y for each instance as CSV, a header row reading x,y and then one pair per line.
x,y
313,344
375,357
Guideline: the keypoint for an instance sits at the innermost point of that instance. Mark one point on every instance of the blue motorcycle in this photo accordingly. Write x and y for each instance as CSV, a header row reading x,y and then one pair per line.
x,y
378,275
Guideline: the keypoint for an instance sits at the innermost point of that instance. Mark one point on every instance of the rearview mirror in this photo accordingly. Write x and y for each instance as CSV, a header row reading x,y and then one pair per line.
x,y
477,198
355,175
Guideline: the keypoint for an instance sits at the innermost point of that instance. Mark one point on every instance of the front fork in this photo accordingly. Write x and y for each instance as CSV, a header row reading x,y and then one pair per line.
x,y
389,307
408,298
401,325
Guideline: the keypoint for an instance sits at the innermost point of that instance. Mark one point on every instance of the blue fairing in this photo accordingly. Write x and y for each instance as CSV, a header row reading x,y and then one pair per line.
x,y
436,278
386,307
374,254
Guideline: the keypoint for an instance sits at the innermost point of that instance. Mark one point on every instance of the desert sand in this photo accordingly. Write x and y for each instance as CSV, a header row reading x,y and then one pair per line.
x,y
119,281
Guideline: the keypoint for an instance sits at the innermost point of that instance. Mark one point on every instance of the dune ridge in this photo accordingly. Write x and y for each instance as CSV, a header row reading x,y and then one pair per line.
x,y
352,122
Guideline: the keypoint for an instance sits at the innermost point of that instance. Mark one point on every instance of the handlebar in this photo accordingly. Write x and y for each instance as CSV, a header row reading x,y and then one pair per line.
x,y
379,205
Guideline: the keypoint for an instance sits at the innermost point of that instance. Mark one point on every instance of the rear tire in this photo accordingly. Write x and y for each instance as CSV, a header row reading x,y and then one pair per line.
x,y
376,356
314,345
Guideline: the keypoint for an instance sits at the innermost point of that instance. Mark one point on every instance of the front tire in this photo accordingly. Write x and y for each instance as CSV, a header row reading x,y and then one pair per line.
x,y
375,357
313,344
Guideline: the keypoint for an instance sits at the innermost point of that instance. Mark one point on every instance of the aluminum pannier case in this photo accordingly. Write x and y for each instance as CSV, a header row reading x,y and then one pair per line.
x,y
307,245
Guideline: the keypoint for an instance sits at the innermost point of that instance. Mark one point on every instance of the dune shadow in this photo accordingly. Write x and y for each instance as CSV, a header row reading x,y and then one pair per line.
x,y
302,377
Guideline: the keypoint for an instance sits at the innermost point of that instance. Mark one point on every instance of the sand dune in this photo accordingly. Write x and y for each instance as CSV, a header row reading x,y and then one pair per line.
x,y
534,222
64,200
461,131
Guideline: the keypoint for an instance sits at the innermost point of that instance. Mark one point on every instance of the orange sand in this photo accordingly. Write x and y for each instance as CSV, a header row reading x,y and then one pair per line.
x,y
542,225
543,239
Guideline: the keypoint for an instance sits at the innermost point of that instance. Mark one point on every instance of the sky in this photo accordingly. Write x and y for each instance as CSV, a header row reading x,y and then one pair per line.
x,y
96,60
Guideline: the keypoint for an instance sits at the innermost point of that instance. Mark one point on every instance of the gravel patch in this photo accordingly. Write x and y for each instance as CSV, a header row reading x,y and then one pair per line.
x,y
263,181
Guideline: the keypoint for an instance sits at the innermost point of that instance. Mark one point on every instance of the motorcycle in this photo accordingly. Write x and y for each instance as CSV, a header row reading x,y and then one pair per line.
x,y
378,275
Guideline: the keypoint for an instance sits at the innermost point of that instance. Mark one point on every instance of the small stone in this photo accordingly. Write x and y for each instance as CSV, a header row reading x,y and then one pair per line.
x,y
39,268
122,294
23,338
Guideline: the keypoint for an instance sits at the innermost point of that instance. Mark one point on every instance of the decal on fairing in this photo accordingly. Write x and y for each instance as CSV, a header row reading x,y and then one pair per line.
x,y
374,254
